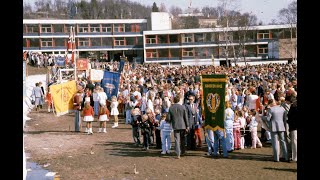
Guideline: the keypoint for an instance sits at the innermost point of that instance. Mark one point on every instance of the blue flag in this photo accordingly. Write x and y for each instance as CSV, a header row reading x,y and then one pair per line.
x,y
110,83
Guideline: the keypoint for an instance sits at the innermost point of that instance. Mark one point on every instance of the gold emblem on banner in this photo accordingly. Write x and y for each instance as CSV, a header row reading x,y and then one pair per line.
x,y
213,102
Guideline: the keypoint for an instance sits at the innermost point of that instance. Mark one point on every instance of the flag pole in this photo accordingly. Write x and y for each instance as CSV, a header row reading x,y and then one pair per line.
x,y
73,58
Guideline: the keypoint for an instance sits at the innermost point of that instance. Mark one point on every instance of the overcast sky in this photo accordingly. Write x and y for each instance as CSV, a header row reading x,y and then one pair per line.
x,y
265,10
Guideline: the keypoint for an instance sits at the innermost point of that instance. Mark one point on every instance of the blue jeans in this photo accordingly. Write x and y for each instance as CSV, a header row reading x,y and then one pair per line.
x,y
96,108
166,141
209,140
128,116
219,135
229,140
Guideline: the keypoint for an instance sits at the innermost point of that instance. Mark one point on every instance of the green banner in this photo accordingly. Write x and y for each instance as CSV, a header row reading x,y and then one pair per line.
x,y
213,100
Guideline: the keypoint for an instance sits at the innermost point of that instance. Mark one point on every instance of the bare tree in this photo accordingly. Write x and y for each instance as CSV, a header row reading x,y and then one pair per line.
x,y
289,16
227,13
175,11
245,24
162,8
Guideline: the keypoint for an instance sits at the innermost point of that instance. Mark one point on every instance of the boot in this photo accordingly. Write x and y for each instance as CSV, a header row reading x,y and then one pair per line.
x,y
104,130
115,125
49,109
86,130
90,131
99,130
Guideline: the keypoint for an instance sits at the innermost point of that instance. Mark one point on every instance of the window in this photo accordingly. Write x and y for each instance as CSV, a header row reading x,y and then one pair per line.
x,y
83,42
209,37
187,38
34,42
198,37
59,42
225,37
106,28
83,28
151,53
34,28
173,38
263,49
163,53
107,41
130,40
95,41
119,28
187,52
94,28
119,41
46,28
162,39
151,39
58,28
48,42
263,35
201,52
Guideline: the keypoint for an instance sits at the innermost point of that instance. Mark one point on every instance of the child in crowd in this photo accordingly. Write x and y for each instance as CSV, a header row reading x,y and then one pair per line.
x,y
242,128
114,110
236,130
253,125
136,121
49,100
166,130
103,116
88,115
145,131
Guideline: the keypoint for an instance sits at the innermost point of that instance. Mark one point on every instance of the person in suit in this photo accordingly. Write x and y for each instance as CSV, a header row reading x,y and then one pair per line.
x,y
276,116
293,124
178,118
193,118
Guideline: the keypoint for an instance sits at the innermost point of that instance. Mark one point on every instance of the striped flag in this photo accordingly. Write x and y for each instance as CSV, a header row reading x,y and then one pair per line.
x,y
71,44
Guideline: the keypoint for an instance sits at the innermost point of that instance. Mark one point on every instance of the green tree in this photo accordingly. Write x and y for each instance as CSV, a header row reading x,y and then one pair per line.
x,y
155,7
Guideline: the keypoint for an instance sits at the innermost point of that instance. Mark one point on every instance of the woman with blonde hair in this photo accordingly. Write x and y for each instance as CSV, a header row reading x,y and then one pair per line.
x,y
114,110
88,115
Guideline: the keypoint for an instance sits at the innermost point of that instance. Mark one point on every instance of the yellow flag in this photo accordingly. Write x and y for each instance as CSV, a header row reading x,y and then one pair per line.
x,y
62,95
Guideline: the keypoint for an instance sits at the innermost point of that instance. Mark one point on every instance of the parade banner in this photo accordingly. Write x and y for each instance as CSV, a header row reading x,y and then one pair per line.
x,y
82,64
110,83
62,95
96,75
213,100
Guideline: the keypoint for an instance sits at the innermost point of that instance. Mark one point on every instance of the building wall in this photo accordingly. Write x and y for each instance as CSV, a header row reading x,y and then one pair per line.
x,y
160,21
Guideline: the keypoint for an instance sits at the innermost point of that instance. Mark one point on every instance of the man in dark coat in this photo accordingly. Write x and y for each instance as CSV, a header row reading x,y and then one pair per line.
x,y
178,118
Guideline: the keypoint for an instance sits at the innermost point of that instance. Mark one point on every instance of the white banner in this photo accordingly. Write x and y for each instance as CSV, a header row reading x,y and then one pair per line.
x,y
96,75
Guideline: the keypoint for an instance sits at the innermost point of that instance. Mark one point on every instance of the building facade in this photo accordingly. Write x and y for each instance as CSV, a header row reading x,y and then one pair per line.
x,y
132,38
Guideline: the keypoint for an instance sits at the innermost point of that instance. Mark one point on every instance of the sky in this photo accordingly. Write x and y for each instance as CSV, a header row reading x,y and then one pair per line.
x,y
265,10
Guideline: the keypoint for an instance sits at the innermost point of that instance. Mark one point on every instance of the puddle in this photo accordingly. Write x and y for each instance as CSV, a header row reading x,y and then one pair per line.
x,y
36,172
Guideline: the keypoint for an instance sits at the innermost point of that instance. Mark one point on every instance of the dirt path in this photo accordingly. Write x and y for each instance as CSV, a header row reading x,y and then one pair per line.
x,y
50,139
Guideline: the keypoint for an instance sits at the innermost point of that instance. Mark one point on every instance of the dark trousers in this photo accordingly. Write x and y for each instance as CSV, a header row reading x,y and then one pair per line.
x,y
179,141
158,139
146,139
191,142
77,121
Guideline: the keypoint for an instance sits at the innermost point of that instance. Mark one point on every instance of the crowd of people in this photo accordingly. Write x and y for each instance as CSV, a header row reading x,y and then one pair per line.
x,y
157,101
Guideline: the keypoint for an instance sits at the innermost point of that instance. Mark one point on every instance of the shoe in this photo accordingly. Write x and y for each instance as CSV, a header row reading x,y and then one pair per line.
x,y
163,152
252,148
168,152
208,154
178,157
230,151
